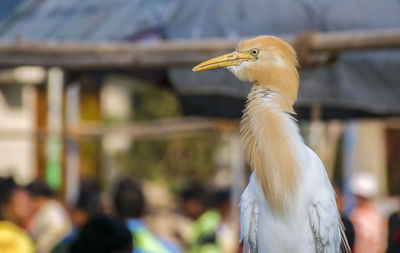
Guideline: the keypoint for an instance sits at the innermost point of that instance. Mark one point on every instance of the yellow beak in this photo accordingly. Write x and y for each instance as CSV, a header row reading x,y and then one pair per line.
x,y
231,59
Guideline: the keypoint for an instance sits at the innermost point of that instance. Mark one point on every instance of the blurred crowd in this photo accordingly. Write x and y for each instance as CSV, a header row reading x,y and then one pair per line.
x,y
33,219
367,229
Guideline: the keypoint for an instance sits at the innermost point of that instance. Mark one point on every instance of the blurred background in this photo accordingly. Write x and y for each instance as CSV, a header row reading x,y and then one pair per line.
x,y
103,121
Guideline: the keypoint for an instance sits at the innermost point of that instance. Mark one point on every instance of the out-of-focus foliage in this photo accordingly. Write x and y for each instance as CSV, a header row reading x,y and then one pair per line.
x,y
168,159
89,102
89,148
152,102
89,151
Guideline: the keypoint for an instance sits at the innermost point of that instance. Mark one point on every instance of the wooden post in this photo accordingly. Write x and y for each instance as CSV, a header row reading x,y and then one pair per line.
x,y
72,180
55,85
41,123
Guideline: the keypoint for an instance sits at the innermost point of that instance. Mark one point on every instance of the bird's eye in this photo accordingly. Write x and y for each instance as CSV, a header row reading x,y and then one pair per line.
x,y
254,52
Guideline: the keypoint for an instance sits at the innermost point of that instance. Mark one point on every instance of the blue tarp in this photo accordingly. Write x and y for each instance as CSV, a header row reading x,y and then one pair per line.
x,y
369,81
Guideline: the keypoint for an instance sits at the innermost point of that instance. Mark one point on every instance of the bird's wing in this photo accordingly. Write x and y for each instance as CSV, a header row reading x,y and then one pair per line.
x,y
324,223
249,219
324,217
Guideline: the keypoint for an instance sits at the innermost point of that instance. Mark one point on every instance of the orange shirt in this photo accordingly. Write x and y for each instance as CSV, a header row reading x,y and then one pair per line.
x,y
370,228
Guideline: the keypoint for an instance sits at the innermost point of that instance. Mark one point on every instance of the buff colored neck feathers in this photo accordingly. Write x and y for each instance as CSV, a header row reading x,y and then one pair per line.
x,y
269,134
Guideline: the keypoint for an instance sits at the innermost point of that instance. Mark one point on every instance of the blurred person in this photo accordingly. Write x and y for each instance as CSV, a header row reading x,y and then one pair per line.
x,y
14,209
16,202
348,226
394,233
227,235
87,207
129,203
203,236
103,235
369,223
50,222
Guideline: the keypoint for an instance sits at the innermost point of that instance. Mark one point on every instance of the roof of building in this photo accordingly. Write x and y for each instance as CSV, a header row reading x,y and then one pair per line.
x,y
89,20
366,81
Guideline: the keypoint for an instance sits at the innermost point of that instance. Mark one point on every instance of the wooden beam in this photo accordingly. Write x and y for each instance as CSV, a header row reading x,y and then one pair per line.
x,y
154,129
114,55
172,53
356,40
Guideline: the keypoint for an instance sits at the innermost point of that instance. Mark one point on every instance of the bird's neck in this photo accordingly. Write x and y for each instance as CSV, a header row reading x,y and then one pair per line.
x,y
272,145
281,80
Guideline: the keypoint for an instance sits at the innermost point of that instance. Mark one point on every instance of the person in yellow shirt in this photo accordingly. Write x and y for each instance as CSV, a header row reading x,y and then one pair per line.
x,y
14,240
13,210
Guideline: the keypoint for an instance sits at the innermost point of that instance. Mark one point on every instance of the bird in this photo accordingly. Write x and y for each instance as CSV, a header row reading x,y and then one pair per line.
x,y
289,203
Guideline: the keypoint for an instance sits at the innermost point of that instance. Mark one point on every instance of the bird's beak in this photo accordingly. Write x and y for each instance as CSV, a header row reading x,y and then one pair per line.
x,y
231,59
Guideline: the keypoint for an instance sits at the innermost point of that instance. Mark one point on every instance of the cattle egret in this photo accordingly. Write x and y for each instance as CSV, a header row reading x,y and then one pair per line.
x,y
289,204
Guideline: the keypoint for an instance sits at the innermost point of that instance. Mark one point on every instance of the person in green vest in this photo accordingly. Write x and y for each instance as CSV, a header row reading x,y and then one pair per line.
x,y
204,233
129,203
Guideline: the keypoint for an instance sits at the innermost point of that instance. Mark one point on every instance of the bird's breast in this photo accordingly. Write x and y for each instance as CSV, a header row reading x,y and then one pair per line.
x,y
273,148
278,232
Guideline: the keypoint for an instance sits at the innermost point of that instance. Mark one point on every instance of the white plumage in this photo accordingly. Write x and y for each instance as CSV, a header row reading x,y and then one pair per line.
x,y
311,222
289,204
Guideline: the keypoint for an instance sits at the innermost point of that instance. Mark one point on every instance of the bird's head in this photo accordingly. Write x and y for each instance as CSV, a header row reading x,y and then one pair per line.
x,y
264,60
